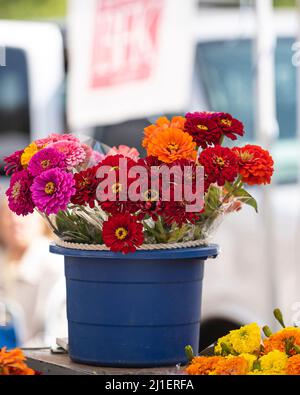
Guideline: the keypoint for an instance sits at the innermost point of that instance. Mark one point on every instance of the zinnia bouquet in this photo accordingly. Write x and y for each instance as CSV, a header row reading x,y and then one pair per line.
x,y
244,352
118,201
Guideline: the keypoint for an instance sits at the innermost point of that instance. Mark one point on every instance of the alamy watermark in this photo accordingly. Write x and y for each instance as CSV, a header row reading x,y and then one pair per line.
x,y
164,183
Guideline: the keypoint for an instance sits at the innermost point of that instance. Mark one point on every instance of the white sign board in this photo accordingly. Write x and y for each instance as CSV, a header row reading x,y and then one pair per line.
x,y
128,59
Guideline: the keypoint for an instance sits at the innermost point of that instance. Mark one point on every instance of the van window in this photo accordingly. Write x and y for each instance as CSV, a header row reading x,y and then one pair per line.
x,y
14,103
226,71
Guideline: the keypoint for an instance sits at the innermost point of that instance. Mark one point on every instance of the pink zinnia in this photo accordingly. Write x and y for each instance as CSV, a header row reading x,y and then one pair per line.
x,y
52,190
54,138
13,163
18,193
73,151
126,151
47,158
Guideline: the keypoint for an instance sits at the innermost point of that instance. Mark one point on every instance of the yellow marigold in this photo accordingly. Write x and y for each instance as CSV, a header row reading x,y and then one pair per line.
x,y
257,372
13,363
172,144
28,153
161,124
231,366
293,365
222,340
203,365
247,340
277,341
274,361
250,358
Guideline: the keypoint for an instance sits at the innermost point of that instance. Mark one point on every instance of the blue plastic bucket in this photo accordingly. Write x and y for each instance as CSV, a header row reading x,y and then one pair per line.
x,y
135,310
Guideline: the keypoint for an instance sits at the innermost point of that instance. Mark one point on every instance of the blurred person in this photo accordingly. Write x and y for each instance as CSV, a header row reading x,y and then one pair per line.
x,y
29,278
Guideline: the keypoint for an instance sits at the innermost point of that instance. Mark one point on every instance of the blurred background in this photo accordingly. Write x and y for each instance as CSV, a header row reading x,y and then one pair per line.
x,y
108,68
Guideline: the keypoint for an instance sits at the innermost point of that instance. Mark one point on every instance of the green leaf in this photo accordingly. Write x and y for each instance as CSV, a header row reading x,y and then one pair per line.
x,y
245,197
212,199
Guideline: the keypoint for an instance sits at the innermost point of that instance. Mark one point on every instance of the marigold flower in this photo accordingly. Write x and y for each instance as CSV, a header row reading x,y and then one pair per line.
x,y
123,233
274,361
172,144
256,165
232,366
278,341
203,365
247,340
293,365
13,363
161,124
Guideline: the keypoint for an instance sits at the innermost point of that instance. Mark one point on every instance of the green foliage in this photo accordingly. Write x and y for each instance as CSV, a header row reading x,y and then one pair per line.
x,y
284,3
32,9
76,229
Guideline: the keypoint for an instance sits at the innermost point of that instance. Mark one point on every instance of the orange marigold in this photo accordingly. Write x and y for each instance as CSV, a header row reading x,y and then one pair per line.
x,y
256,165
162,124
172,144
203,365
293,365
231,366
13,363
278,340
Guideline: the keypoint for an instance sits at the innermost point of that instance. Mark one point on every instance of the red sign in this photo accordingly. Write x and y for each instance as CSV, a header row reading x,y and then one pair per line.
x,y
125,41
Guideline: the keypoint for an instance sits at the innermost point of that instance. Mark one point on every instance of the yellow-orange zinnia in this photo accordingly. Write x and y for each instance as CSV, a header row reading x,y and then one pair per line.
x,y
172,144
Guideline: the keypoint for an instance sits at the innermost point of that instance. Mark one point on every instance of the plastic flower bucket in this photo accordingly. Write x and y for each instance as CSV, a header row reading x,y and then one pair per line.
x,y
135,310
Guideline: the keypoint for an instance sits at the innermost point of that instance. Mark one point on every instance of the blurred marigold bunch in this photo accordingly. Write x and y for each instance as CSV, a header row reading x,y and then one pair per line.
x,y
13,363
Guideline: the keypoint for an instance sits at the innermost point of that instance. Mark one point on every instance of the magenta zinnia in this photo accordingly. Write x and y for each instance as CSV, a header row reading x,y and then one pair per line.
x,y
18,193
47,158
52,190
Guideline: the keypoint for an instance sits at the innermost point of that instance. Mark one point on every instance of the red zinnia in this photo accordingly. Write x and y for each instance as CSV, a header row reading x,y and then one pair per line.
x,y
113,198
86,184
13,163
203,128
256,165
123,233
220,165
230,126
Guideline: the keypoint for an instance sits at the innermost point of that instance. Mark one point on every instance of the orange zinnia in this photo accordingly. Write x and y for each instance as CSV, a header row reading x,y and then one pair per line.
x,y
293,365
162,124
203,365
172,144
256,165
13,363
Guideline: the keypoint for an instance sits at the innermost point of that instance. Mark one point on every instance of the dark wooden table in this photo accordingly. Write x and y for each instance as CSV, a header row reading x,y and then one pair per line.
x,y
44,361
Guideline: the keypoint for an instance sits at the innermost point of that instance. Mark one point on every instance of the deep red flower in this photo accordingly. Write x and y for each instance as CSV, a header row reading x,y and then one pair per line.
x,y
230,126
86,184
256,165
123,233
113,197
13,163
220,165
203,128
